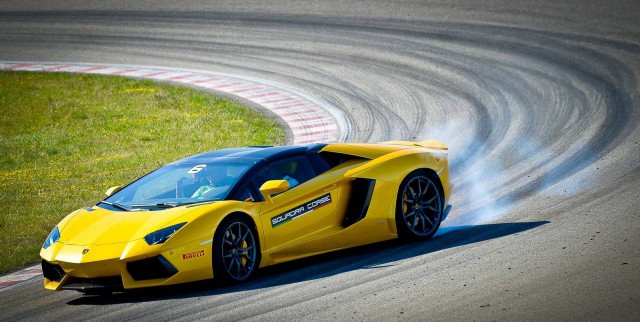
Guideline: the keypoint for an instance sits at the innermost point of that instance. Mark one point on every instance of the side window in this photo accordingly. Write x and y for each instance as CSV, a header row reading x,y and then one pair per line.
x,y
247,194
332,159
296,170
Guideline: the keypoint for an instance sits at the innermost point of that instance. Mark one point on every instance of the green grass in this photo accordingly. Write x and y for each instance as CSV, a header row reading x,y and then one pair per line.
x,y
66,138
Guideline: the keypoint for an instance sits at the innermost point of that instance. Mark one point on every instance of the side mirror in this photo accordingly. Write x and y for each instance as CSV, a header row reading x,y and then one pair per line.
x,y
112,190
272,187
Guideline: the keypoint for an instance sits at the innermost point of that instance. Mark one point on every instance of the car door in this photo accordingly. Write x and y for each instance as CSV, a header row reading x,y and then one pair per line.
x,y
299,215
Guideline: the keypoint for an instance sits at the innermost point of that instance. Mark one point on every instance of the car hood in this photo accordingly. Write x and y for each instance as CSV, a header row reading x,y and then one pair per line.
x,y
99,226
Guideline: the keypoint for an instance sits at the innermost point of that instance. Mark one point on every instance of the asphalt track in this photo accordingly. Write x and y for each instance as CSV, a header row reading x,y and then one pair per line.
x,y
538,101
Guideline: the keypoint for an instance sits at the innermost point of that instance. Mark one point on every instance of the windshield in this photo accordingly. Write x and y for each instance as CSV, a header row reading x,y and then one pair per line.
x,y
179,184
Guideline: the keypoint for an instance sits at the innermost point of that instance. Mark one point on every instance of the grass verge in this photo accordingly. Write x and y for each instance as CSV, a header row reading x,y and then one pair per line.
x,y
65,138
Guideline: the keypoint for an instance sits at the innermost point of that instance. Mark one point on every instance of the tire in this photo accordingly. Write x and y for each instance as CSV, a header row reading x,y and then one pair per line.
x,y
419,206
236,251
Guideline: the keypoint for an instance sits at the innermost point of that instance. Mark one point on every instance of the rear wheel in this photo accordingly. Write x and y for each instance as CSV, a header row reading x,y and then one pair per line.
x,y
419,206
236,252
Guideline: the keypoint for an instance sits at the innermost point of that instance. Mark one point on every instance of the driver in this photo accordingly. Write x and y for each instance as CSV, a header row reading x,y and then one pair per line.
x,y
206,179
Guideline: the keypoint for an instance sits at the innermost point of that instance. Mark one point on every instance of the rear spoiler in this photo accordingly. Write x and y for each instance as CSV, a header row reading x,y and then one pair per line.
x,y
431,144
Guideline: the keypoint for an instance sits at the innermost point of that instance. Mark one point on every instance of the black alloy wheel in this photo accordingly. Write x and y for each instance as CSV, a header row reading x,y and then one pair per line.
x,y
419,206
236,252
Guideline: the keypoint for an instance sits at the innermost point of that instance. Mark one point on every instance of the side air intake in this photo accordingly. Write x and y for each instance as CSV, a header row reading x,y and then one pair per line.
x,y
361,192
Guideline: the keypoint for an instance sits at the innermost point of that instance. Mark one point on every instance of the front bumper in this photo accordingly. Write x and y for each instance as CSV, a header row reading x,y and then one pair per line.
x,y
106,275
89,268
56,277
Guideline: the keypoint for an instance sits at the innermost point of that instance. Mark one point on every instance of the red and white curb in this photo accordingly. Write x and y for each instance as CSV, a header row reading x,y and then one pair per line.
x,y
310,119
19,277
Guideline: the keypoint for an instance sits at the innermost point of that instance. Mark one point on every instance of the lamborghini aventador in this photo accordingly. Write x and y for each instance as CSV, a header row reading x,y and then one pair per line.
x,y
223,214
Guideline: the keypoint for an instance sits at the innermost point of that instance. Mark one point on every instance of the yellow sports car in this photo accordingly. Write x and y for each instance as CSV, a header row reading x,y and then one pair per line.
x,y
225,213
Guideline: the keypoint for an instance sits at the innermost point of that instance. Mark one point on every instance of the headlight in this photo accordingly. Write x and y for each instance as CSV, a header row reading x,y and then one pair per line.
x,y
160,236
52,238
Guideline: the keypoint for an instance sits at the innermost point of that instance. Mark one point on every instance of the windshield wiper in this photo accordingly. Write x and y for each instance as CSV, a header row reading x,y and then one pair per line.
x,y
117,205
159,205
198,203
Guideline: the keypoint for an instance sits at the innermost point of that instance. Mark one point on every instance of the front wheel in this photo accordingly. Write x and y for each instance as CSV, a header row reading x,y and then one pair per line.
x,y
236,252
419,206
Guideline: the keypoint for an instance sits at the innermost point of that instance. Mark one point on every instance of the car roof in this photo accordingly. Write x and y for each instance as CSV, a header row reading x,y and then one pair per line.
x,y
253,153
